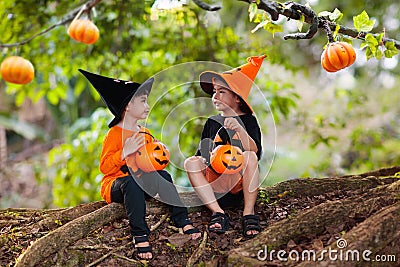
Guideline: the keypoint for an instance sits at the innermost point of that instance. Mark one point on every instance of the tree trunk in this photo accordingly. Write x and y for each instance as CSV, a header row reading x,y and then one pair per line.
x,y
3,148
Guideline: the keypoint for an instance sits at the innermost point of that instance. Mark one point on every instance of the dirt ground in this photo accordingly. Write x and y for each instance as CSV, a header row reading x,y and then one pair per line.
x,y
112,244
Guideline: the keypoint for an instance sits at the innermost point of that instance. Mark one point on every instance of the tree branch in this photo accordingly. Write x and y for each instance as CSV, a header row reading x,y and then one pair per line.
x,y
205,6
306,11
295,11
67,18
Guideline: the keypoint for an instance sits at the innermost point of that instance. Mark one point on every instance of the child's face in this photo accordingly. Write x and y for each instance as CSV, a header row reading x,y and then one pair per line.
x,y
138,108
224,99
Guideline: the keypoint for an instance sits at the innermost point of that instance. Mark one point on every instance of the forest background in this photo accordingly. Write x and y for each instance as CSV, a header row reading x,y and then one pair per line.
x,y
314,123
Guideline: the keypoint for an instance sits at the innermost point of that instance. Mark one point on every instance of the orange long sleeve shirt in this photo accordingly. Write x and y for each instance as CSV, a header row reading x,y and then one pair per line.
x,y
110,159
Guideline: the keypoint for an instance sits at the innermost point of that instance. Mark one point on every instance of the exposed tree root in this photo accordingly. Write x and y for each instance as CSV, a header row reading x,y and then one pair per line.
x,y
67,234
315,220
375,237
112,252
198,252
363,200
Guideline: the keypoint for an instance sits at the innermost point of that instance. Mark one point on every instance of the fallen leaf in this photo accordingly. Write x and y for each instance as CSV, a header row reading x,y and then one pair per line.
x,y
179,240
35,230
317,244
237,240
291,244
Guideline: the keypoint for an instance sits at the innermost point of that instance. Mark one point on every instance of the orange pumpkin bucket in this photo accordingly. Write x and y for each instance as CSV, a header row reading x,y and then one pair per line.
x,y
226,159
152,156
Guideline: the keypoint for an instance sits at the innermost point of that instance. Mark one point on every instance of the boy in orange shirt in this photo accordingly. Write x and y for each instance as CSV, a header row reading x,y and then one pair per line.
x,y
127,101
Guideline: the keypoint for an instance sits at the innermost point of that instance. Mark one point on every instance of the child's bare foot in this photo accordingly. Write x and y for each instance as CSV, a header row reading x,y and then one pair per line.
x,y
143,248
191,230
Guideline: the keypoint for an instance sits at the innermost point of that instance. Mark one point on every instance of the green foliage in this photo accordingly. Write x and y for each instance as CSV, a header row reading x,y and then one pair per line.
x,y
334,16
252,11
75,163
362,22
282,99
375,47
25,129
370,148
263,20
373,44
263,197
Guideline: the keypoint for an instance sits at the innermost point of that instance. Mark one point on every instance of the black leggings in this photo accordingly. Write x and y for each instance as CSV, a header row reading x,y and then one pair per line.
x,y
132,192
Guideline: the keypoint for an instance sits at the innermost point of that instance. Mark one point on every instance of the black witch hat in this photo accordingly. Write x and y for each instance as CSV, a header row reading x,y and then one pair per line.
x,y
116,93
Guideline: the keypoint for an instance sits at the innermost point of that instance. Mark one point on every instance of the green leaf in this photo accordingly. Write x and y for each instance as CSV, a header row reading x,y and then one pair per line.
x,y
252,11
259,17
362,22
380,38
336,32
52,97
336,15
259,26
273,28
368,53
300,23
378,54
391,50
20,98
371,40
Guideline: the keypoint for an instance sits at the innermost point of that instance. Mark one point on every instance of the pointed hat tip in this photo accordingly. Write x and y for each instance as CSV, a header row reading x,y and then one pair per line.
x,y
256,60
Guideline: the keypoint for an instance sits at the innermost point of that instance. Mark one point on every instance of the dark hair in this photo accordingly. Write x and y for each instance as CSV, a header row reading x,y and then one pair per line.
x,y
142,91
244,107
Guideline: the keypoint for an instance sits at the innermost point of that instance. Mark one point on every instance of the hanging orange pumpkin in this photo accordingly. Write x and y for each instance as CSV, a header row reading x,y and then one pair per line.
x,y
227,159
84,31
17,70
337,56
153,156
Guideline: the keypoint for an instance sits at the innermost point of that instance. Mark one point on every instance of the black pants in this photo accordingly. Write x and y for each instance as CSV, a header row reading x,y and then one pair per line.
x,y
229,200
132,192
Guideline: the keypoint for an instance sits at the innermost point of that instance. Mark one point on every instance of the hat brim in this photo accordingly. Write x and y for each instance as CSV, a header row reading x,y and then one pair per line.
x,y
207,85
146,86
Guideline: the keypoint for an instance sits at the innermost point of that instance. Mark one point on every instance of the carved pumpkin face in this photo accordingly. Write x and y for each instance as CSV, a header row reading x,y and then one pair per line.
x,y
227,159
153,156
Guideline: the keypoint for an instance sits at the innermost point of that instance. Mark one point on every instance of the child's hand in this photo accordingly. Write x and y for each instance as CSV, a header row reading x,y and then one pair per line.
x,y
232,124
133,143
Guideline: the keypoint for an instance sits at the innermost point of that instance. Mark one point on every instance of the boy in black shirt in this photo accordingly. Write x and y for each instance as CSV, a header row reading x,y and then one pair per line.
x,y
237,126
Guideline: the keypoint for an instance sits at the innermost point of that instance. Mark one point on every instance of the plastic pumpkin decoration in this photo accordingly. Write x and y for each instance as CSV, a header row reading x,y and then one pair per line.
x,y
337,56
227,159
153,156
84,31
17,70
131,159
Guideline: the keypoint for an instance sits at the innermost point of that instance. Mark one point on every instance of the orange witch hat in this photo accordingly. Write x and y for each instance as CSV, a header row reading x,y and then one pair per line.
x,y
239,80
